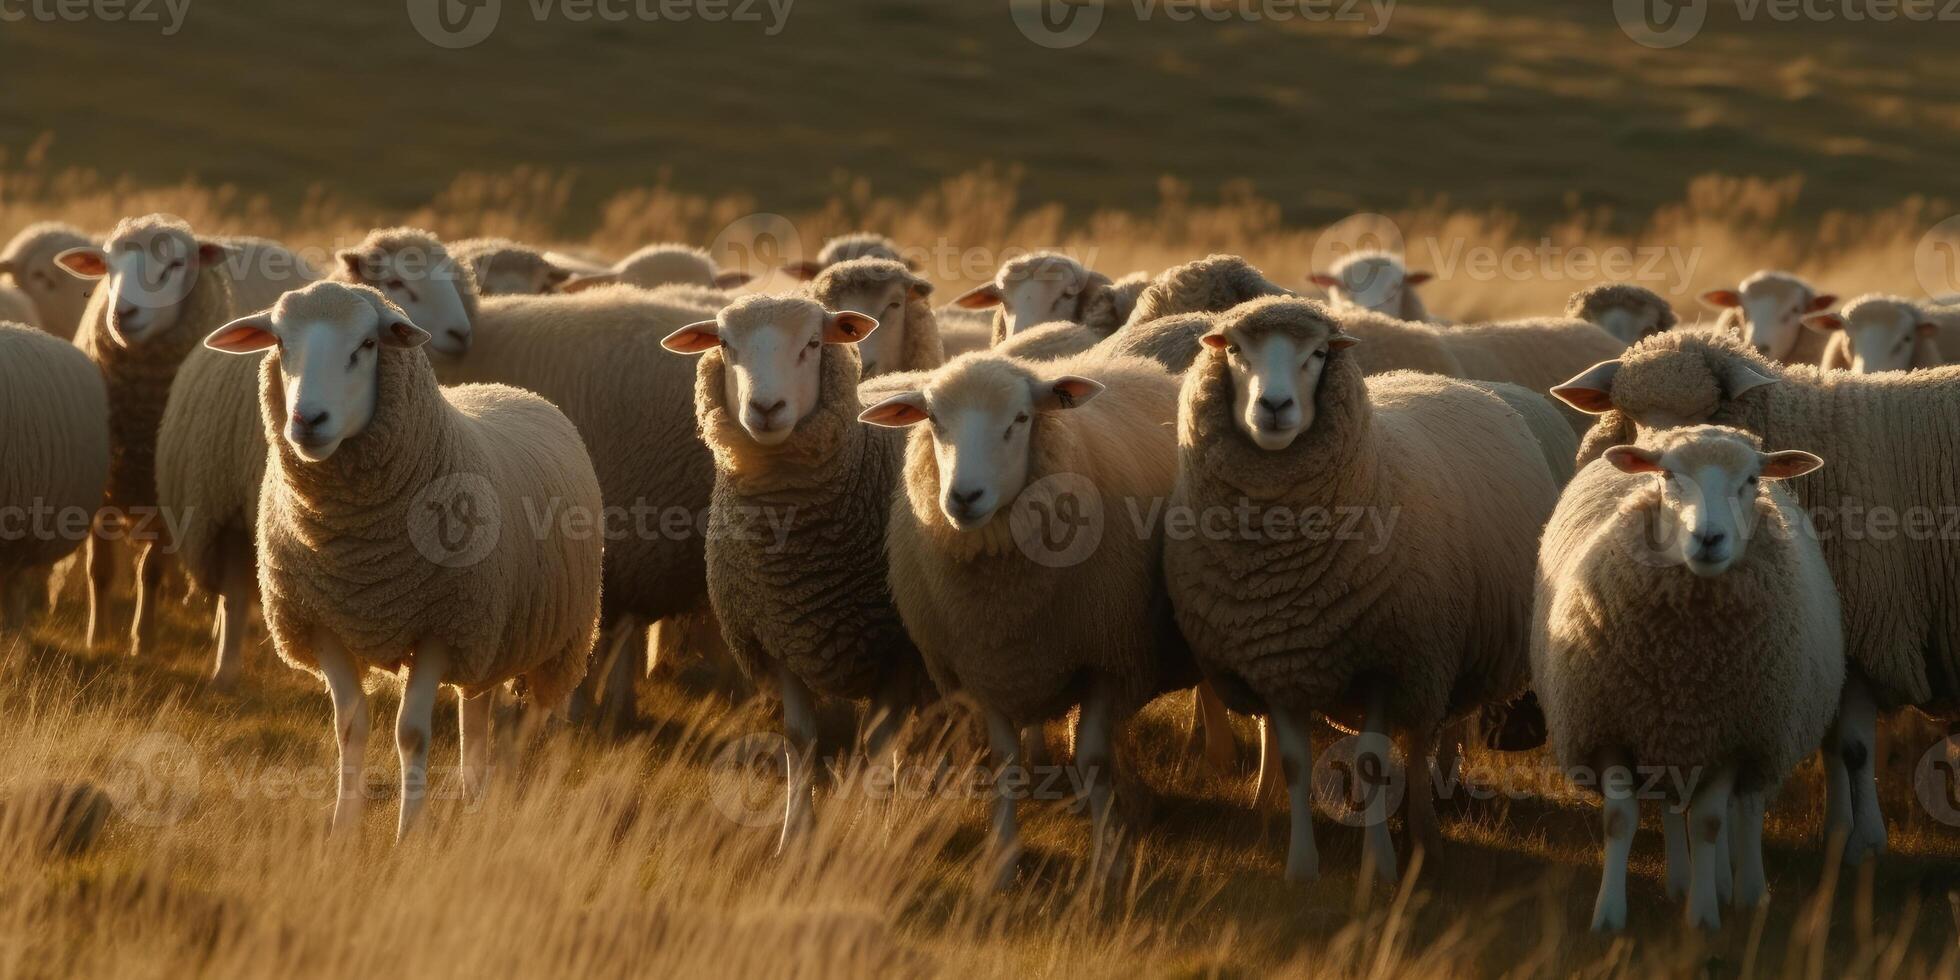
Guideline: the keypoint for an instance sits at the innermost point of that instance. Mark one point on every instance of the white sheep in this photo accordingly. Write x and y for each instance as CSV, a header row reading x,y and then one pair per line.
x,y
1889,333
1767,312
843,248
1626,311
1300,618
1686,623
899,299
502,267
664,264
1378,281
58,297
1042,287
397,528
54,459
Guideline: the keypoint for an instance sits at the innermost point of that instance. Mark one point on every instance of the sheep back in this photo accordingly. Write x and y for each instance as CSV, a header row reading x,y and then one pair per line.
x,y
54,449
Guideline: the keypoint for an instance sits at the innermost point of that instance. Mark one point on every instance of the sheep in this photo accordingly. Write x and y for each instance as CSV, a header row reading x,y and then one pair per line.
x,y
907,338
843,248
1767,312
54,459
1042,287
1007,594
1050,341
1372,280
1537,353
796,533
1213,284
397,528
1888,333
1686,624
18,307
29,260
1277,415
1892,440
211,450
1626,311
506,268
663,265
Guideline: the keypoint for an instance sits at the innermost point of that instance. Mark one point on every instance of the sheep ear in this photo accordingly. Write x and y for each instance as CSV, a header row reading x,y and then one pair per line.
x,y
898,411
1592,391
1788,463
1722,298
1216,340
1633,459
245,335
847,327
732,280
1740,376
1417,278
1341,341
805,270
1323,280
351,260
918,288
1926,330
400,334
1824,322
1067,391
978,298
85,262
213,253
1823,302
580,284
695,338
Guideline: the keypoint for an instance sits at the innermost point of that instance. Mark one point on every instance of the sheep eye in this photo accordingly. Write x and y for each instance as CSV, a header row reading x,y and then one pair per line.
x,y
813,344
892,307
1232,349
1020,417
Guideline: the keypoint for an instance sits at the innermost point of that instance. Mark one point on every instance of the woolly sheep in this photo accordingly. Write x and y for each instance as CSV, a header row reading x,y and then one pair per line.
x,y
666,264
907,338
1042,287
843,248
1377,281
1686,624
211,449
1626,311
1213,284
1357,627
397,530
1004,604
58,297
506,268
1888,333
1891,439
54,459
1766,312
796,533
1537,353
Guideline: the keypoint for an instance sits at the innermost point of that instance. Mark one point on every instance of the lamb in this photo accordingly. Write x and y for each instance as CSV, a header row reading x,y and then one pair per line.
x,y
1767,313
58,298
1277,415
907,338
506,268
843,248
378,531
54,459
1008,595
211,450
1626,311
1372,280
796,533
663,265
1888,333
1042,287
1687,624
1892,440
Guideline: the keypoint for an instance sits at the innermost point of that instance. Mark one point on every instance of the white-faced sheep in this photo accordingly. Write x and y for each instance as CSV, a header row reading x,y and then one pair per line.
x,y
1893,440
1001,584
58,297
1686,623
1355,626
1767,312
54,459
1626,311
796,533
1042,287
211,449
506,268
397,528
844,248
907,338
1378,281
1889,333
665,264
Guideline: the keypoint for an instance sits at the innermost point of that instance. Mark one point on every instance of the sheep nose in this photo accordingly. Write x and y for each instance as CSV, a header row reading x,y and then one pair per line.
x,y
756,406
963,499
308,422
1710,540
1275,407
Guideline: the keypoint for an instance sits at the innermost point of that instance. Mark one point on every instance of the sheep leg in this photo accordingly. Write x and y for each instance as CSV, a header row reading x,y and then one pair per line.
x,y
1674,833
1295,750
625,663
234,610
101,569
1010,780
1708,831
1746,836
1620,814
149,581
350,723
1270,790
1211,726
1372,762
1424,831
800,727
414,724
1095,759
1724,868
1856,739
474,726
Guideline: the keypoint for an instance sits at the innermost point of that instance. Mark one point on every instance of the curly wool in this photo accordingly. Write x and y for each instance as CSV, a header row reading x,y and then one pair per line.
x,y
921,347
1435,615
796,538
1213,284
336,551
54,449
1593,303
1893,442
1668,669
1021,637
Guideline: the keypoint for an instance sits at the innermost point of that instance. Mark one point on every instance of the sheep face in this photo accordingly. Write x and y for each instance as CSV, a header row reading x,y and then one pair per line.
x,y
773,351
59,296
1369,281
150,268
981,411
1664,389
1772,306
886,302
329,336
425,283
1629,324
1883,334
1035,289
1276,376
1711,492
518,273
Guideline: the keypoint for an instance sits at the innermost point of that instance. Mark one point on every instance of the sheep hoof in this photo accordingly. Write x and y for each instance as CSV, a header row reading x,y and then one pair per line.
x,y
1302,872
1609,916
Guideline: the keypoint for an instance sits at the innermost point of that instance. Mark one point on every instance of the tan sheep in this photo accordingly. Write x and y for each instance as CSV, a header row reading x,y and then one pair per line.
x,y
843,248
665,264
54,460
58,297
907,338
1377,281
502,267
1042,287
1626,311
1888,333
1767,312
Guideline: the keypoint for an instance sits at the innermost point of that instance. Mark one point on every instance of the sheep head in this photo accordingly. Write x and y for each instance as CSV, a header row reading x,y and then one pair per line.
x,y
1035,289
1276,351
1772,306
151,264
416,273
1711,491
1370,281
771,347
883,290
1884,333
